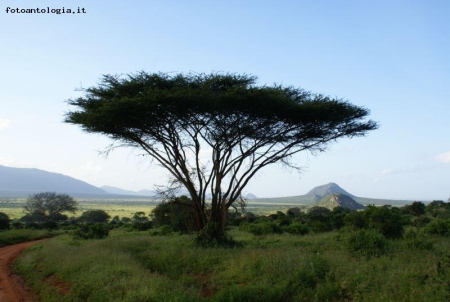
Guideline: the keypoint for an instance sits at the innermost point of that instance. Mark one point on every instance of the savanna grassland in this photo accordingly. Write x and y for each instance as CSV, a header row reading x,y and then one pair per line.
x,y
120,207
376,254
13,207
136,266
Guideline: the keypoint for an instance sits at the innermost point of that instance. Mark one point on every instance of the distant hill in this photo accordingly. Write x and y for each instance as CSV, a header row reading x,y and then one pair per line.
x,y
250,196
317,193
119,191
325,190
334,200
19,182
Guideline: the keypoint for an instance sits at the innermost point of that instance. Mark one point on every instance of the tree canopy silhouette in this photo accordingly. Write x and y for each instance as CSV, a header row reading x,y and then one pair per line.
x,y
177,119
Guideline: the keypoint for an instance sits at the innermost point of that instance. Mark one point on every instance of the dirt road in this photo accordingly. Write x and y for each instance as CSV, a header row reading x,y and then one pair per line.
x,y
11,287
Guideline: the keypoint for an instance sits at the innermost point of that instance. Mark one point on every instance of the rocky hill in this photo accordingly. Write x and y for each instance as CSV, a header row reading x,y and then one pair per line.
x,y
325,190
317,193
334,200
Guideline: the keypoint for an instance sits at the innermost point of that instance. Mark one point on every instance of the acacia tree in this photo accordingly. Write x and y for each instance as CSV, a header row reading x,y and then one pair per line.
x,y
49,206
243,127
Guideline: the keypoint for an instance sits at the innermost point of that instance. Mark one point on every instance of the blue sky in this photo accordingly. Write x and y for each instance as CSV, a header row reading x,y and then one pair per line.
x,y
392,57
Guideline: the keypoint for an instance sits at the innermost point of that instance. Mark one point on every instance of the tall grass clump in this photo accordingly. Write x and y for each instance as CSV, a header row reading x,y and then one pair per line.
x,y
91,231
366,242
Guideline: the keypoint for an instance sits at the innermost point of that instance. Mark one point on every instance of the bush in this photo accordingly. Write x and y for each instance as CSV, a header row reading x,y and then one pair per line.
x,y
386,221
165,230
4,221
177,213
366,243
420,244
142,226
439,227
296,228
91,231
262,228
94,216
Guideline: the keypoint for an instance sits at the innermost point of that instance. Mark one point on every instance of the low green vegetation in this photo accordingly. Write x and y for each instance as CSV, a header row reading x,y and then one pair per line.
x,y
18,236
277,267
376,254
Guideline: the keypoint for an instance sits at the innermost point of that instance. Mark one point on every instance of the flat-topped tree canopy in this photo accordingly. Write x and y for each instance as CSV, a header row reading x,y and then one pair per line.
x,y
245,126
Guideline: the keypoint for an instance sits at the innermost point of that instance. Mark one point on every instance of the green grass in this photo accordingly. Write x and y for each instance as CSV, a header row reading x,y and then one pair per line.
x,y
123,208
134,266
9,237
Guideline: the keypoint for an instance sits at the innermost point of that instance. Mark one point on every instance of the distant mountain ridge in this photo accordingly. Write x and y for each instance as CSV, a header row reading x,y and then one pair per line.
x,y
20,182
25,181
119,191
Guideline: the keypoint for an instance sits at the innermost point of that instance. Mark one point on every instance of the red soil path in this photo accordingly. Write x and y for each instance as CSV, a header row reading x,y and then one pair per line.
x,y
12,288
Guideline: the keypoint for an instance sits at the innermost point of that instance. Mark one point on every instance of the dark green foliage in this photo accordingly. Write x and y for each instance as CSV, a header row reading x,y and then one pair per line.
x,y
177,213
125,220
337,217
139,217
296,228
261,228
294,212
419,243
17,225
94,216
438,209
319,219
91,231
142,226
49,206
4,221
386,221
165,230
420,222
366,243
417,208
439,227
140,222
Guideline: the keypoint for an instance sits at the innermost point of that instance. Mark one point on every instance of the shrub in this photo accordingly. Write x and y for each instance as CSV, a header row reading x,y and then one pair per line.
x,y
142,226
94,216
439,227
177,213
91,231
165,230
420,244
296,228
366,243
386,221
4,221
262,228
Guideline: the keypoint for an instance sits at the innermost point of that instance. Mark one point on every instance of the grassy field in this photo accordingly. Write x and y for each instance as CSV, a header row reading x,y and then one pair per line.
x,y
127,207
134,266
18,236
121,207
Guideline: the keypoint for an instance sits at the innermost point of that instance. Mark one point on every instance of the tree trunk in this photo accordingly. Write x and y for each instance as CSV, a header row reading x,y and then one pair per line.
x,y
213,232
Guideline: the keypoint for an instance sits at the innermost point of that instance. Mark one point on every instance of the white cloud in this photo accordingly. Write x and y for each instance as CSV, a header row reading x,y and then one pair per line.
x,y
443,158
87,169
412,168
11,162
388,172
4,123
